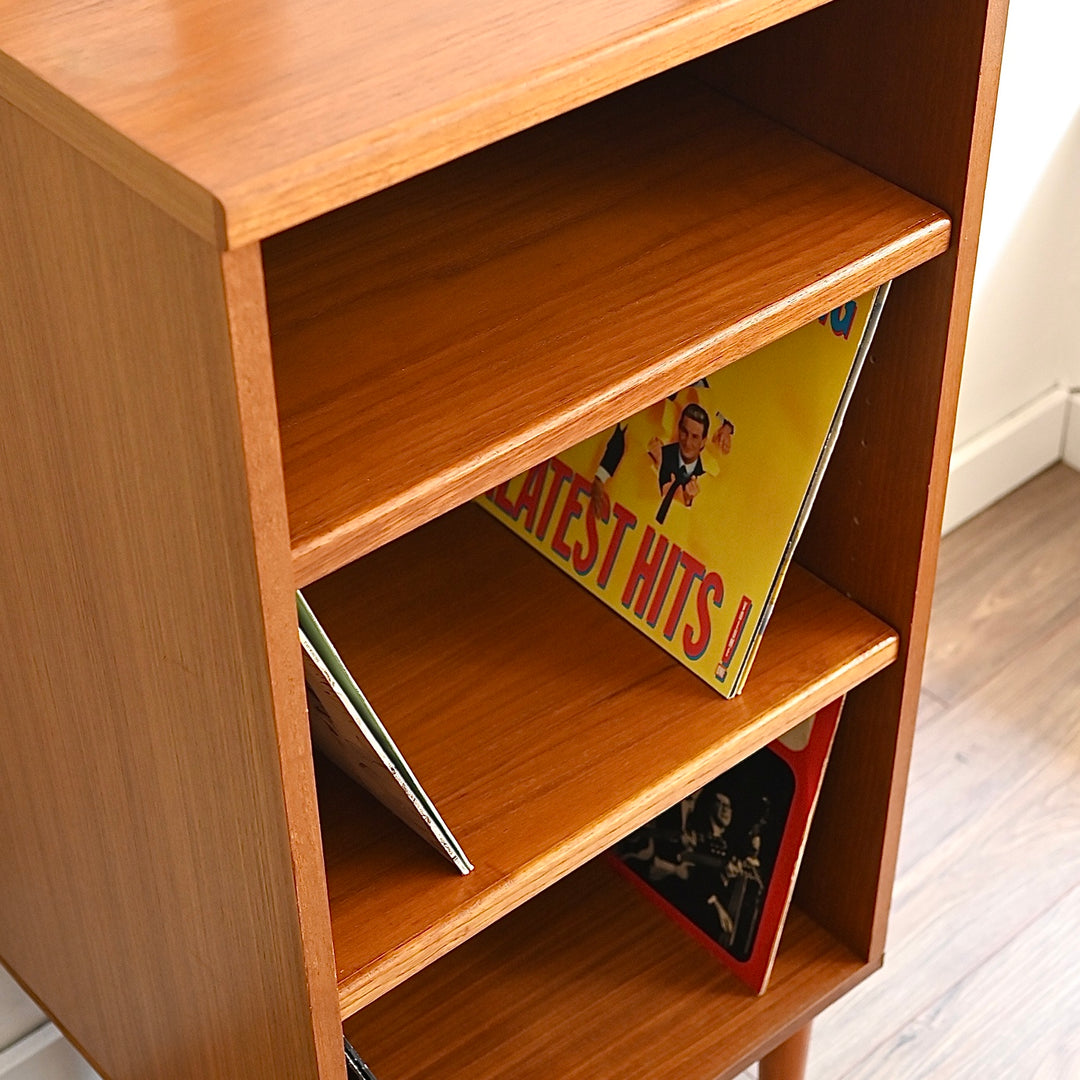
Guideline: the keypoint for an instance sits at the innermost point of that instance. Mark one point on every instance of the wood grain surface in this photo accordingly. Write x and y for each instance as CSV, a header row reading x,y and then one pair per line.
x,y
148,895
480,318
912,99
283,111
586,975
540,746
132,164
162,882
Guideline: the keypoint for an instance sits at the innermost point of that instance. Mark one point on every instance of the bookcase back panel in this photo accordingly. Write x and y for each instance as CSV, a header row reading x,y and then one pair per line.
x,y
912,99
147,878
904,95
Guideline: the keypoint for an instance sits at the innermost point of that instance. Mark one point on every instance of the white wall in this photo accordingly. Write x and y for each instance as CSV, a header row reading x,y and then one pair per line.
x,y
1023,352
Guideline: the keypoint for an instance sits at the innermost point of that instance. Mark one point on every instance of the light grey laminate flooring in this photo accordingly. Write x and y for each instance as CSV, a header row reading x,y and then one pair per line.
x,y
982,969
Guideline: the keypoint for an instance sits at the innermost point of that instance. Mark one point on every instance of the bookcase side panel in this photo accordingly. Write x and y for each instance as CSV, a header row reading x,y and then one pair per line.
x,y
148,896
910,95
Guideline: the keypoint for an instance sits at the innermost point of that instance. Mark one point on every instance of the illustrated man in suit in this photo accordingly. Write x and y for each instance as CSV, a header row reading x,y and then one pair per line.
x,y
678,464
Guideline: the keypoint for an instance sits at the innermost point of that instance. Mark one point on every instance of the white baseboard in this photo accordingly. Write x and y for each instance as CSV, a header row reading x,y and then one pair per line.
x,y
992,464
18,1014
1071,450
44,1054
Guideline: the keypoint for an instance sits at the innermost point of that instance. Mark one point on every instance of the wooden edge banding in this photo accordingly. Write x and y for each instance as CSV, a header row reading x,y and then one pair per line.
x,y
966,239
245,300
788,1060
181,198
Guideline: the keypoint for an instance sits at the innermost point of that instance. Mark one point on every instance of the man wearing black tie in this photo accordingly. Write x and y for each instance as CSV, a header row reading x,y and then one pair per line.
x,y
678,464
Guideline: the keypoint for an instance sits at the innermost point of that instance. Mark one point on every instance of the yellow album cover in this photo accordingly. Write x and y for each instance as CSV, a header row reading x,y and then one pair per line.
x,y
683,518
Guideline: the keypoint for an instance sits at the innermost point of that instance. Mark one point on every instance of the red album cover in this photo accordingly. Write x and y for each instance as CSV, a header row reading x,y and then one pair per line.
x,y
722,862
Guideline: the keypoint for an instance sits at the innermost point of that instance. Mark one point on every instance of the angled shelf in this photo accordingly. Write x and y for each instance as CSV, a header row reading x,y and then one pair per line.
x,y
539,746
590,971
485,315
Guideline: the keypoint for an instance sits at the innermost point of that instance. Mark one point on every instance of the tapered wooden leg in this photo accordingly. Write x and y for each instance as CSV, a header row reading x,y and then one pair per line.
x,y
788,1060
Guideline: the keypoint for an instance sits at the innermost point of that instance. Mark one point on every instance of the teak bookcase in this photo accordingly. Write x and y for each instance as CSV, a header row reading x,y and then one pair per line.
x,y
284,286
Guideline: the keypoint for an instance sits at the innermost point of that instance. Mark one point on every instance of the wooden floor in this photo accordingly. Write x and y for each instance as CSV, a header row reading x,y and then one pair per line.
x,y
982,969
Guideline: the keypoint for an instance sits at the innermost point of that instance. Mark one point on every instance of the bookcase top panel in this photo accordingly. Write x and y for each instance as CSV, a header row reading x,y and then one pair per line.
x,y
282,111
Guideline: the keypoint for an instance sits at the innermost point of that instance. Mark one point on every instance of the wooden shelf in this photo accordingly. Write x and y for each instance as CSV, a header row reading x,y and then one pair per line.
x,y
588,973
324,104
543,727
486,315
